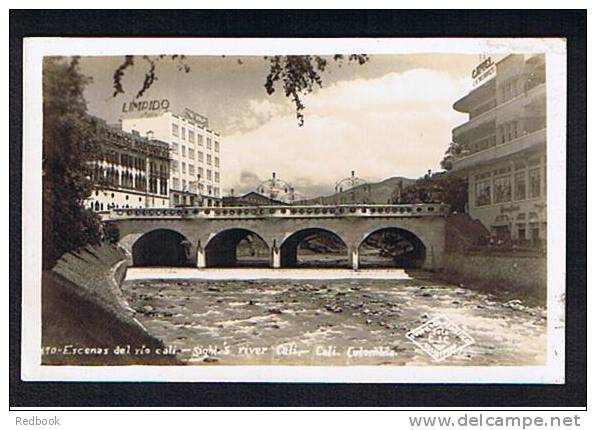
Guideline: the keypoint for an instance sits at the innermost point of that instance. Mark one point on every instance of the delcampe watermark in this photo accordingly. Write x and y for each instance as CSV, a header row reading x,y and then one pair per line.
x,y
440,338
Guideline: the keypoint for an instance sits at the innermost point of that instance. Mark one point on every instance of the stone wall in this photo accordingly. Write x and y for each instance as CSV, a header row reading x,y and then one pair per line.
x,y
83,306
523,275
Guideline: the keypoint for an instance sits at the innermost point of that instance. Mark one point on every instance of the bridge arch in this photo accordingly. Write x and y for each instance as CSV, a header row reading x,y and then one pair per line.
x,y
391,247
161,247
221,249
327,250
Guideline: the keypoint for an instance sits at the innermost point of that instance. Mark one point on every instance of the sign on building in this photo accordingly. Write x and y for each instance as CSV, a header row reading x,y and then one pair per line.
x,y
483,72
197,118
140,106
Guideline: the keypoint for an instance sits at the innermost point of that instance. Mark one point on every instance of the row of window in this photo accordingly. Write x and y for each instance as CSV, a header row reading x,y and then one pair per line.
x,y
183,133
521,185
125,160
211,175
190,200
509,89
200,156
191,186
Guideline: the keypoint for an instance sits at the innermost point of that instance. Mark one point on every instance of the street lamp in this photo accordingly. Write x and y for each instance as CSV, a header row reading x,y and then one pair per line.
x,y
277,189
351,183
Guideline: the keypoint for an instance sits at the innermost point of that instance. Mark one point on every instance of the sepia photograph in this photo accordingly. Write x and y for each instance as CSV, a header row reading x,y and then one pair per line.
x,y
356,210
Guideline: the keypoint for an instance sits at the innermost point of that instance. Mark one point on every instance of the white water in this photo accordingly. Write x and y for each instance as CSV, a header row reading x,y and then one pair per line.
x,y
140,273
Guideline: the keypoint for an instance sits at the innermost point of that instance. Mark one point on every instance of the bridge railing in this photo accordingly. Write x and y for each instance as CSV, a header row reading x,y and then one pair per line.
x,y
289,211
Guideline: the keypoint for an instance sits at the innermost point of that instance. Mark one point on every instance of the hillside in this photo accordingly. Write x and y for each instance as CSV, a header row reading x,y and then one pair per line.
x,y
380,192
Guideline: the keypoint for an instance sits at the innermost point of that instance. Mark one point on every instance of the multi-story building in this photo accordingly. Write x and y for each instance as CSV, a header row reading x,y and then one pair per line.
x,y
131,171
501,149
195,162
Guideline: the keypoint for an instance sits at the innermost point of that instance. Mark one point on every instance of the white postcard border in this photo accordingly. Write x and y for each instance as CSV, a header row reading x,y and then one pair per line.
x,y
36,48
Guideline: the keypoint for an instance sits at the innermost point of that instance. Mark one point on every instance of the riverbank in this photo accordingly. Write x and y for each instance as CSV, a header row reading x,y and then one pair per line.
x,y
86,320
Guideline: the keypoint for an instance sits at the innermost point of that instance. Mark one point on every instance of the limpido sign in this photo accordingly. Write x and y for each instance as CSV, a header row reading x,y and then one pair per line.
x,y
146,106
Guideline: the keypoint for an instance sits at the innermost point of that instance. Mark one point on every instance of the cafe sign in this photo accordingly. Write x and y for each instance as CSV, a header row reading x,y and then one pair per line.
x,y
484,71
143,106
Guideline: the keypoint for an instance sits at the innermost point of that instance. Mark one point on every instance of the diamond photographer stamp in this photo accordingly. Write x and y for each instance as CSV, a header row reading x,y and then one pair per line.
x,y
440,338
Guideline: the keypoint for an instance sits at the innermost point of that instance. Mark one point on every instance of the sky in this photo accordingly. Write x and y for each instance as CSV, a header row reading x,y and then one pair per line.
x,y
392,116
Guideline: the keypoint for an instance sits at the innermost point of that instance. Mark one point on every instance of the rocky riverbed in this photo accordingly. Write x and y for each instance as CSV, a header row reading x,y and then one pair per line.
x,y
333,322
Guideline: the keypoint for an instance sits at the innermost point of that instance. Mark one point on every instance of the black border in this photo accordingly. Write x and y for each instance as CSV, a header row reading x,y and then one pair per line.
x,y
570,24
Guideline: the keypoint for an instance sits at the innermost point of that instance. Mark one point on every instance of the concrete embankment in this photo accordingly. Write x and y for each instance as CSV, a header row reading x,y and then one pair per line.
x,y
85,317
523,277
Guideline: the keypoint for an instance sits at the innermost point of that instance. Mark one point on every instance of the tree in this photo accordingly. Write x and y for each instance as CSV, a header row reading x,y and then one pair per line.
x,y
440,187
452,152
297,74
69,142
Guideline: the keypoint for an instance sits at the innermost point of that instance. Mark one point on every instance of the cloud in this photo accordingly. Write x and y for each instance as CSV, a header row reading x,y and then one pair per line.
x,y
395,125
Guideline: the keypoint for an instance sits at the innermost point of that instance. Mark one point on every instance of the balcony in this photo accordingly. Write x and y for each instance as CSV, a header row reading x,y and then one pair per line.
x,y
508,149
520,102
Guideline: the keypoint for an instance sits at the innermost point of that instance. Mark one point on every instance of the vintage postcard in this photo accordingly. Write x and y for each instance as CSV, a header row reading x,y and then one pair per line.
x,y
300,210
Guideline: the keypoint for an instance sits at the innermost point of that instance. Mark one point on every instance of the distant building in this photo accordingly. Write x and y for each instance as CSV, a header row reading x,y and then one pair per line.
x,y
250,199
131,171
501,149
195,165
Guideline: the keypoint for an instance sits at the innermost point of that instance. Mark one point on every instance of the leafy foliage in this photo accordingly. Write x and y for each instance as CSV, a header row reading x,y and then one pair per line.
x,y
69,141
440,187
454,150
150,76
298,74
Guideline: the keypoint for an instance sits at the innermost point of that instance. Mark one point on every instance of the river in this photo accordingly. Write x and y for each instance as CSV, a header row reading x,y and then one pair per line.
x,y
332,321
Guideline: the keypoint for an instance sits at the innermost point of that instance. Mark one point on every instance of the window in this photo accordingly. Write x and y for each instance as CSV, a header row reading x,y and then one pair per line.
x,y
216,161
184,185
208,174
183,151
520,185
176,183
174,130
200,139
521,231
483,192
200,156
176,199
201,171
209,159
216,146
174,166
208,143
191,169
191,153
534,182
183,133
216,176
174,148
216,192
502,190
191,136
183,167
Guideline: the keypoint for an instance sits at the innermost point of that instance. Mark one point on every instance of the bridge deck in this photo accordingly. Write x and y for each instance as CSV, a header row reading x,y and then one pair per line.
x,y
285,211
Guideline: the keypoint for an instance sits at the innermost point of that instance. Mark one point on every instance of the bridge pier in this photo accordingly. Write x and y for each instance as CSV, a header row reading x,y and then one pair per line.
x,y
355,257
201,261
275,256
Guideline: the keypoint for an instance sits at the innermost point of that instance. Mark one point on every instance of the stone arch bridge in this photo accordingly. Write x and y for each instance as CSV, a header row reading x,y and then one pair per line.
x,y
211,235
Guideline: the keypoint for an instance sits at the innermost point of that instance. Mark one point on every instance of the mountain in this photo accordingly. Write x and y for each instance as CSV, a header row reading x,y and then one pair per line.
x,y
374,192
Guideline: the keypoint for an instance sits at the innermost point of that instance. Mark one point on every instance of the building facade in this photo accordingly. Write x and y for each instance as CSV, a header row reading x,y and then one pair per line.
x,y
501,149
195,161
131,172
